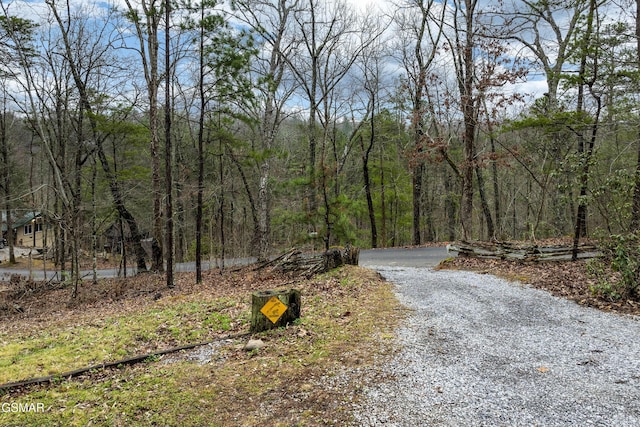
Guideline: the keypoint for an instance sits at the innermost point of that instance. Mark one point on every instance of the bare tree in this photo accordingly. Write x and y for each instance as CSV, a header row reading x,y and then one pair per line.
x,y
45,104
420,26
373,73
546,29
89,56
272,21
323,59
168,148
146,22
331,41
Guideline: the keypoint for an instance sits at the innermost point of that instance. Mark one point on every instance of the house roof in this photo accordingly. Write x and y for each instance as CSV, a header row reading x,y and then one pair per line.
x,y
19,222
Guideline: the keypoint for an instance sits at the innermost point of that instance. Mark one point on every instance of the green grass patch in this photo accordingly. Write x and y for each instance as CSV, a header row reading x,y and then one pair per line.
x,y
53,351
348,318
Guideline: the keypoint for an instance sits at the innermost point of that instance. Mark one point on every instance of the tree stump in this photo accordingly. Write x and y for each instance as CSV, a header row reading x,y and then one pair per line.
x,y
273,309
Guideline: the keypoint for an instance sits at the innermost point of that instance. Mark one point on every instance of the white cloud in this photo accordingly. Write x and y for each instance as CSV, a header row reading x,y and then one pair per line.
x,y
33,10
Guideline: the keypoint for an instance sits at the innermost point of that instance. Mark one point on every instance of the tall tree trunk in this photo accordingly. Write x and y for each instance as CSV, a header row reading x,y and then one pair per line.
x,y
94,221
465,83
168,149
496,190
383,201
148,48
6,183
200,199
467,187
635,210
312,202
418,168
449,204
312,125
221,213
156,248
201,137
585,151
366,152
180,215
418,172
262,229
77,200
491,232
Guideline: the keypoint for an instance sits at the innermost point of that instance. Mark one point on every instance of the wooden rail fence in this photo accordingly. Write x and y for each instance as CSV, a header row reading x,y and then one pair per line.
x,y
520,251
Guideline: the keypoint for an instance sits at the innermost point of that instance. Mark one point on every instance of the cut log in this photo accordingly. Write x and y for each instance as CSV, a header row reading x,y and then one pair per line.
x,y
273,309
312,264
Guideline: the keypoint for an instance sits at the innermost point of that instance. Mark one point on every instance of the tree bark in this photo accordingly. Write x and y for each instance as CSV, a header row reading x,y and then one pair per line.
x,y
635,210
168,152
585,149
6,183
149,56
367,183
496,190
416,180
465,71
282,308
491,232
123,212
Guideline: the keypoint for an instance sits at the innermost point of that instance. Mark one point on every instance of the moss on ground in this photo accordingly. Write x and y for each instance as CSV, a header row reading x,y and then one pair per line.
x,y
308,374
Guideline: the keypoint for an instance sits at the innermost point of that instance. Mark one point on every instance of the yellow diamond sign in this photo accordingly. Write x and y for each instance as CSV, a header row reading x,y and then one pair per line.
x,y
273,309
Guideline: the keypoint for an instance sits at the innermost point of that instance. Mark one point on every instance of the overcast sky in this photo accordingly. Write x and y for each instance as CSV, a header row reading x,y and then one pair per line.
x,y
535,85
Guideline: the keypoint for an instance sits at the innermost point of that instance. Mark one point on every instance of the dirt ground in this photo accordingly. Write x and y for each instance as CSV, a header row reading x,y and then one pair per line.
x,y
22,298
338,332
26,306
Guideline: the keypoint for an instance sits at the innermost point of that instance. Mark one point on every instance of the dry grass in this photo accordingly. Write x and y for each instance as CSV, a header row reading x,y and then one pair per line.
x,y
309,373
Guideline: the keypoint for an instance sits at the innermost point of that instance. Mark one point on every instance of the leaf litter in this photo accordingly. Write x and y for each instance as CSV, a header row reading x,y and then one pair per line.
x,y
565,279
322,362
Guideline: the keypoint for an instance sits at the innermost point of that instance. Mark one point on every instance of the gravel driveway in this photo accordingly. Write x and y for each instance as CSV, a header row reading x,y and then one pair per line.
x,y
481,351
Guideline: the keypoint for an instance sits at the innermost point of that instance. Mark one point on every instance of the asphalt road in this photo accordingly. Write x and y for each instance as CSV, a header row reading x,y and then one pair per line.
x,y
397,257
6,273
403,257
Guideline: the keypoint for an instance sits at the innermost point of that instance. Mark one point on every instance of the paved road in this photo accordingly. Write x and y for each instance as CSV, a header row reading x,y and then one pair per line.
x,y
6,273
420,257
403,257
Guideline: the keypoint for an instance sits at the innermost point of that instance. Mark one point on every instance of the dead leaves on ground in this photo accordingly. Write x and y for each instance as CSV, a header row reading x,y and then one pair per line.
x,y
564,279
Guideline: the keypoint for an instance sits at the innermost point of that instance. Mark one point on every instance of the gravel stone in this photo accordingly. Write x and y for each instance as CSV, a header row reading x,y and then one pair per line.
x,y
254,345
481,351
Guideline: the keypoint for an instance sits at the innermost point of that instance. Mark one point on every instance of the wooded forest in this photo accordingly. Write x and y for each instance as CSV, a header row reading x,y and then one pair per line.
x,y
244,128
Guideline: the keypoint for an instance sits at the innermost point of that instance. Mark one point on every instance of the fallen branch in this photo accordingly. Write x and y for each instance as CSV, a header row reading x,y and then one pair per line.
x,y
282,258
123,362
